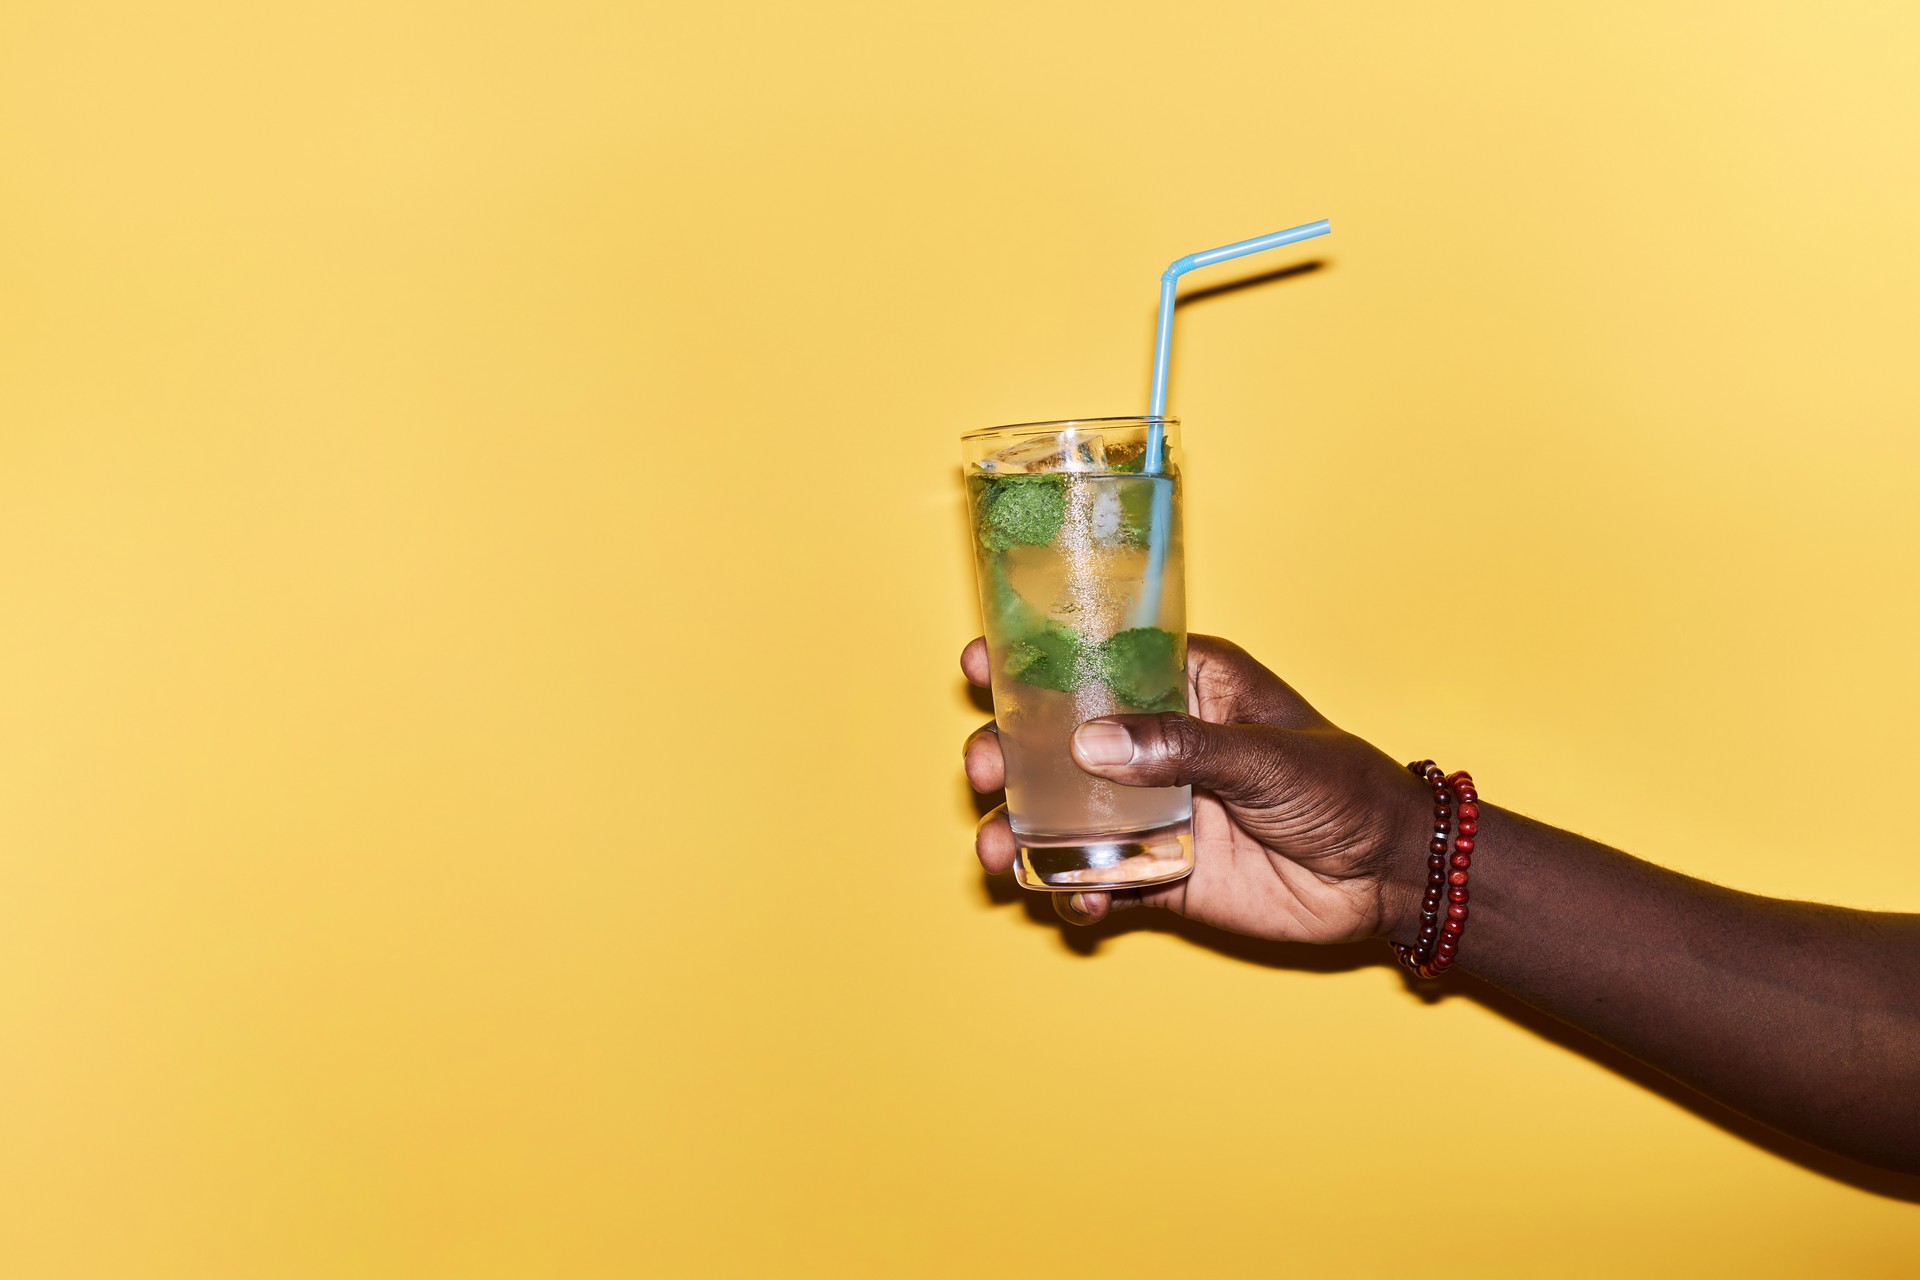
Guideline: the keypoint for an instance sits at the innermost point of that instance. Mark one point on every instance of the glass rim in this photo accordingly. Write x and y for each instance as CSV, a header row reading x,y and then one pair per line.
x,y
1062,424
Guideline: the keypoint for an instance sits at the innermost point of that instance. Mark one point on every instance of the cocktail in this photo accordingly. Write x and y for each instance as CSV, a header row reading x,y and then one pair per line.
x,y
1085,617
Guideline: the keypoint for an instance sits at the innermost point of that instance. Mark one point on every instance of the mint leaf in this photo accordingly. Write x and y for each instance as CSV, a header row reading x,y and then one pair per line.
x,y
1021,511
1052,656
1144,668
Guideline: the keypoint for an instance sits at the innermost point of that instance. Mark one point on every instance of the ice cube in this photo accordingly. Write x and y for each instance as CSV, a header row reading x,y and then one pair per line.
x,y
1064,451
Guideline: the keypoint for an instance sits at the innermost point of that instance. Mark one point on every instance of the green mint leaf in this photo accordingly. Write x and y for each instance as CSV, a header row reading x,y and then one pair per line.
x,y
1051,656
1021,511
1145,669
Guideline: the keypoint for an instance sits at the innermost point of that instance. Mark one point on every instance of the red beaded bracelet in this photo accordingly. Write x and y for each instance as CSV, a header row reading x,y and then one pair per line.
x,y
1438,943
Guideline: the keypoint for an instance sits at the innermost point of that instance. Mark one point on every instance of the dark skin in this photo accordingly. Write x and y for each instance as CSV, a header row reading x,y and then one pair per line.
x,y
1802,1016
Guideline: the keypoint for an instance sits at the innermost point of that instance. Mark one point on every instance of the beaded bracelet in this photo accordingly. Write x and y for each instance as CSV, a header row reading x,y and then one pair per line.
x,y
1438,943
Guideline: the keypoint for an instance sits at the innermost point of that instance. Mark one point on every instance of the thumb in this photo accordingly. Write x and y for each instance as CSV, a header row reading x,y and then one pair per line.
x,y
1241,763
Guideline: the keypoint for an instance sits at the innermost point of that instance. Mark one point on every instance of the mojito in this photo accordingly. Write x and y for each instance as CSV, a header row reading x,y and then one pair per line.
x,y
1081,587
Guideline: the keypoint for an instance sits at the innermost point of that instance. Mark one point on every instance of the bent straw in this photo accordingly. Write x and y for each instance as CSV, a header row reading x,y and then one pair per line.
x,y
1148,607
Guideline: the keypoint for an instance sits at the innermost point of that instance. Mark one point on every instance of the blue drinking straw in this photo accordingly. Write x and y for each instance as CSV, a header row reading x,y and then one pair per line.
x,y
1149,604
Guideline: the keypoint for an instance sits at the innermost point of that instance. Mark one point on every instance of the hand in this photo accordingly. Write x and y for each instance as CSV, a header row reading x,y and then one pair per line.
x,y
1302,832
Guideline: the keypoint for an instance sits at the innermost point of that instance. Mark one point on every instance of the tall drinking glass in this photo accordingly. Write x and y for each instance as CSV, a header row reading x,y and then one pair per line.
x,y
1065,530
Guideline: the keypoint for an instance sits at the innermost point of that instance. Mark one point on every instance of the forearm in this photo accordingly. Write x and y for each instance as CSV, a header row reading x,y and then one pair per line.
x,y
1805,1017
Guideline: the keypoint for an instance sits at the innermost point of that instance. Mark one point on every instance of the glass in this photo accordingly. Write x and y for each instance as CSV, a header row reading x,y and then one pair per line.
x,y
1063,531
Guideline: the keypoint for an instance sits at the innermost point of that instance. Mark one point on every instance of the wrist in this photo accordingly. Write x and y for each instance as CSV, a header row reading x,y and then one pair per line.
x,y
1406,808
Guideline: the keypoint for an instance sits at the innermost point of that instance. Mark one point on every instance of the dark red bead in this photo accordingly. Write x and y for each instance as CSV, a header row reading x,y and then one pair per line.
x,y
1452,928
1457,894
1438,844
1458,911
1469,796
1457,877
1468,827
1463,845
1461,860
1469,810
1442,796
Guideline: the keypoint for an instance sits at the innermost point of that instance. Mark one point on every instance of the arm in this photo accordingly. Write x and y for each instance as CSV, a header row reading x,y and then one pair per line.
x,y
1804,1017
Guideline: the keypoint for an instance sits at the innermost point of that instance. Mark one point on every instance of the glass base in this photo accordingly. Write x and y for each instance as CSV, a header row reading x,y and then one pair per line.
x,y
1126,860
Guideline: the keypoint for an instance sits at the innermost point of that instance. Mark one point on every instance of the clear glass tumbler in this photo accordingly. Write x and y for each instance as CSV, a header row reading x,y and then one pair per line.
x,y
1067,530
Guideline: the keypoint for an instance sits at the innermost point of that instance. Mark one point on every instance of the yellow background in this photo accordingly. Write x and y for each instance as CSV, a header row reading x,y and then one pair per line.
x,y
481,565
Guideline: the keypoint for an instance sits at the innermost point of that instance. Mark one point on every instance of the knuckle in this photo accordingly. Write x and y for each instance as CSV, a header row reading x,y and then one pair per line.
x,y
1181,739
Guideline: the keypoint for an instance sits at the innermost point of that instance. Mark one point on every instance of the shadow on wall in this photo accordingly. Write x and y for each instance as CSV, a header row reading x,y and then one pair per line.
x,y
1197,296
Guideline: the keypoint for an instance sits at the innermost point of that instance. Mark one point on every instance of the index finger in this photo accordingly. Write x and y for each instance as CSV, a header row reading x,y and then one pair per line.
x,y
973,661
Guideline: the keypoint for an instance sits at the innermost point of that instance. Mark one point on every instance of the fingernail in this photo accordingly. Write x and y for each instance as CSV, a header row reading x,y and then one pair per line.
x,y
1103,742
1077,903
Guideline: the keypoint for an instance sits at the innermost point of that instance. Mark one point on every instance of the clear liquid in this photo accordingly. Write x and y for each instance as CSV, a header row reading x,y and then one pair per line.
x,y
1088,579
